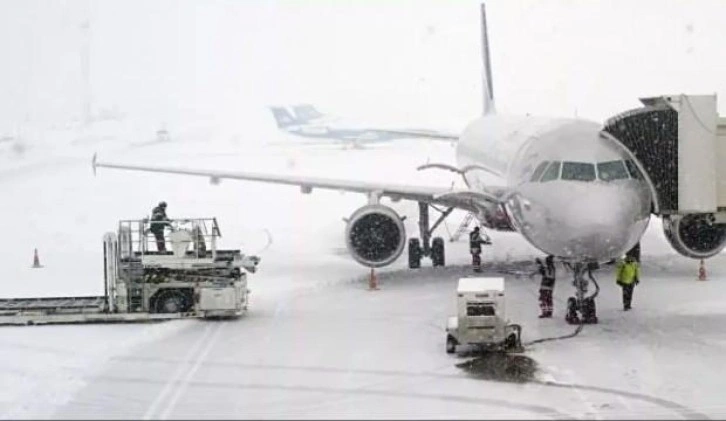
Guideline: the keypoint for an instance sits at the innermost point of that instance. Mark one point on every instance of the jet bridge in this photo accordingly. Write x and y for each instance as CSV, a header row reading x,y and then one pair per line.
x,y
679,142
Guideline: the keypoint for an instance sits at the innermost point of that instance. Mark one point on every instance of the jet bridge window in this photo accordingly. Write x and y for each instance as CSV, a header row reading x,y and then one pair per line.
x,y
612,170
479,309
552,173
539,170
578,171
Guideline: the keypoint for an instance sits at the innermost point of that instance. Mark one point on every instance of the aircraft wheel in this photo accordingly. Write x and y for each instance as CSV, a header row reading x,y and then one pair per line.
x,y
571,317
437,252
414,253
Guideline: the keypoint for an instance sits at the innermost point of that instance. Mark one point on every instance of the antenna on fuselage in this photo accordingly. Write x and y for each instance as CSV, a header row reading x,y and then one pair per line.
x,y
488,88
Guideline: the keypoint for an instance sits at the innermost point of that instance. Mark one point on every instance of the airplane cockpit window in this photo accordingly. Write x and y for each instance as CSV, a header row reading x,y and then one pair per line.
x,y
553,172
539,170
633,169
611,170
578,171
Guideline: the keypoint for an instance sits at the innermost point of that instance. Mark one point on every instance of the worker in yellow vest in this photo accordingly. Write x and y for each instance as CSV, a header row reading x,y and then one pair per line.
x,y
627,276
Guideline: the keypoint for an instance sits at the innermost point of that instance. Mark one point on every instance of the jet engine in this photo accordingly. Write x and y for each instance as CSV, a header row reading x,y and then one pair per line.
x,y
694,235
375,235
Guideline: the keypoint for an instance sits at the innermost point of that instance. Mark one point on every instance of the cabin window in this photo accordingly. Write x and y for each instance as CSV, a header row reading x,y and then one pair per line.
x,y
578,171
553,172
612,170
539,170
479,309
633,169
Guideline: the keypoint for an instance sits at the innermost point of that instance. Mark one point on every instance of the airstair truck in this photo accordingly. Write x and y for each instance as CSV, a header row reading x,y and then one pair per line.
x,y
195,279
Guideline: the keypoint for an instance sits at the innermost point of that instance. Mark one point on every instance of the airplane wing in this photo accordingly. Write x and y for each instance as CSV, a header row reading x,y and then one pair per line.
x,y
306,120
426,134
473,201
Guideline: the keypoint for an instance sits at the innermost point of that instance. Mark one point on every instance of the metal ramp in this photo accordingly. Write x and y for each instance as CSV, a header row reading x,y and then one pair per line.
x,y
10,306
462,227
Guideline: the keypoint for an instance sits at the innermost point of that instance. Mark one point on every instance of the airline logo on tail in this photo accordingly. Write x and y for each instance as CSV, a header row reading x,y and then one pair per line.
x,y
294,116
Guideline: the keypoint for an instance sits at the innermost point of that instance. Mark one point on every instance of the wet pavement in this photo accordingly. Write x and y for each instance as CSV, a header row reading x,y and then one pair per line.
x,y
500,366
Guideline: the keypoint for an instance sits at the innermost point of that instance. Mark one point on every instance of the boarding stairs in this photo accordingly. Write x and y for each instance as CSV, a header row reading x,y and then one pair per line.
x,y
463,227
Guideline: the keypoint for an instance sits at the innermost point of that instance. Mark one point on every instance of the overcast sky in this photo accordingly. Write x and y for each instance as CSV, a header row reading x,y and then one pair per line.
x,y
410,60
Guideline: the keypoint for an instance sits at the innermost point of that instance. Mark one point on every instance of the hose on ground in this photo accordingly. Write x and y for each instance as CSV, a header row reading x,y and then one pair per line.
x,y
557,338
580,319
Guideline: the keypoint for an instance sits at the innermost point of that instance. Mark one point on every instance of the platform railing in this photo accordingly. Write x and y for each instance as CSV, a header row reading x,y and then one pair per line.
x,y
135,237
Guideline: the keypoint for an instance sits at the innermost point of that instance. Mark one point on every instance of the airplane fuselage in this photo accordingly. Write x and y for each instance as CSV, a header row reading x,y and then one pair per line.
x,y
573,191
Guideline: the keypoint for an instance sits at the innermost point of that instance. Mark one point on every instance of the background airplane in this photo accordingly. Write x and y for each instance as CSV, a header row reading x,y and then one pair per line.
x,y
305,120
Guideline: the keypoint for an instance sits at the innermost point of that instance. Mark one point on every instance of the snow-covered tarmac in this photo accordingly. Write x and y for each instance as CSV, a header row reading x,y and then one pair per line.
x,y
316,343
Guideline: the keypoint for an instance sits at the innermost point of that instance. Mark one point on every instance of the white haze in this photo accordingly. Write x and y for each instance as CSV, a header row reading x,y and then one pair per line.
x,y
403,61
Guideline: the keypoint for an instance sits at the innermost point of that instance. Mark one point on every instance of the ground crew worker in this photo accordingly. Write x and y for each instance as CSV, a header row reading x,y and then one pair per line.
x,y
475,243
628,276
547,285
158,222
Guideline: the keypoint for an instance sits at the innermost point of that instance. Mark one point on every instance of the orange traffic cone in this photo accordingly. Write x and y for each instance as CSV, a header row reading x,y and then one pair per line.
x,y
701,271
36,260
372,281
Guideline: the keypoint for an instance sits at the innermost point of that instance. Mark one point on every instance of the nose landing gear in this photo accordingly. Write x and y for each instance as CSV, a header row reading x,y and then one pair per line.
x,y
580,303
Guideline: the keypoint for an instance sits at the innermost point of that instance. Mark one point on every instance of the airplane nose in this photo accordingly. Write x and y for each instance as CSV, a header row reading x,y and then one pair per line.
x,y
604,221
594,221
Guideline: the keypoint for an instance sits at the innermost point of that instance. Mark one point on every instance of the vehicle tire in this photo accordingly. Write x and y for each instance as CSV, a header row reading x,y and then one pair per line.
x,y
437,252
414,253
450,344
171,302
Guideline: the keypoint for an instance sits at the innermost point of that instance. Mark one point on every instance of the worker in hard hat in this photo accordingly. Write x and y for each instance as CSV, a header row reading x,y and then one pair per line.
x,y
628,276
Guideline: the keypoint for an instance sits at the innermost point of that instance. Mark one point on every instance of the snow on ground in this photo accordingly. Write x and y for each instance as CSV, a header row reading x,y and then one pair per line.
x,y
316,343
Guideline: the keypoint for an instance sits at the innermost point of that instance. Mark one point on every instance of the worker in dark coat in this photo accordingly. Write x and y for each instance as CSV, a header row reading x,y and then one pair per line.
x,y
475,243
159,221
547,285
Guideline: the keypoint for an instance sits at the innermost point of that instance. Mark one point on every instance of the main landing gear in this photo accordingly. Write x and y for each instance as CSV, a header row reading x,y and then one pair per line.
x,y
426,247
581,303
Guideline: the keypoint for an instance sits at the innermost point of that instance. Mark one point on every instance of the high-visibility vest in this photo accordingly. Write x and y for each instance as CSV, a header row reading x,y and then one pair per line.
x,y
627,273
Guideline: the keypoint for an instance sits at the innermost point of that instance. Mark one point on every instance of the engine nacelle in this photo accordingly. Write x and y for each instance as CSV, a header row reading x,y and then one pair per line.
x,y
694,235
375,235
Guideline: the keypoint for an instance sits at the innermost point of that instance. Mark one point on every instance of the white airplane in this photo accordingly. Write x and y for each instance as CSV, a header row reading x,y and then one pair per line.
x,y
571,189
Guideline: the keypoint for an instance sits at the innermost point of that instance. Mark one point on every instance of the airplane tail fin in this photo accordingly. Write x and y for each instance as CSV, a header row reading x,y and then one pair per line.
x,y
306,112
283,118
488,88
